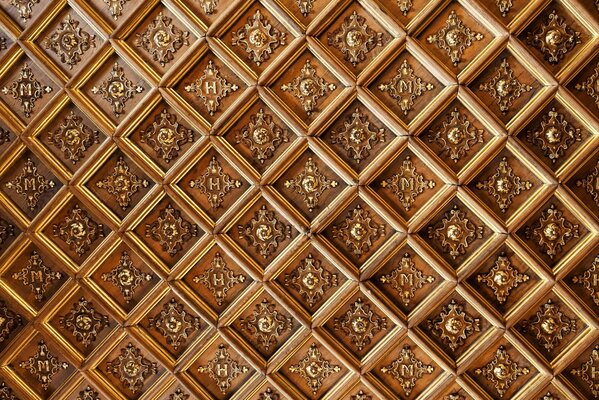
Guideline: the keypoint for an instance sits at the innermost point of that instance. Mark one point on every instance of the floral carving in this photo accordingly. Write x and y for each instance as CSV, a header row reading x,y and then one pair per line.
x,y
117,90
359,231
115,7
589,279
69,41
259,38
222,369
24,8
84,322
26,89
264,232
502,278
587,371
6,393
455,232
504,185
590,183
407,184
591,85
407,369
361,395
457,135
554,38
30,184
9,321
4,136
406,279
404,6
6,230
504,87
356,137
73,137
174,323
311,280
219,279
132,368
78,230
355,39
214,183
268,394
314,369
162,39
454,38
262,136
310,184
37,276
178,395
305,6
43,365
122,183
88,394
502,372
554,136
552,231
405,87
549,326
504,6
208,6
126,276
166,135
453,325
171,230
308,87
211,88
266,324
360,323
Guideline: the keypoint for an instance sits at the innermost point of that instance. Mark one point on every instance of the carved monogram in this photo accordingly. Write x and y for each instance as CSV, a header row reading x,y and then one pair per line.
x,y
264,232
37,276
454,38
502,372
24,8
554,136
222,369
455,232
84,322
116,7
552,231
219,279
259,38
43,365
359,231
170,230
407,369
311,280
589,279
314,369
26,89
78,230
30,184
126,276
267,324
588,371
262,136
9,322
211,88
215,184
69,41
73,137
122,183
131,368
453,325
504,87
162,39
117,90
356,137
166,135
174,323
549,325
407,184
504,185
554,38
310,184
591,85
590,183
355,39
406,279
360,323
405,87
308,87
457,135
502,278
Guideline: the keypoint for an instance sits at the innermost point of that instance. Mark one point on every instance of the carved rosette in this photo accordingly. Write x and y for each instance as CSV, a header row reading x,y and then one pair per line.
x,y
258,38
126,276
406,279
162,39
504,185
407,184
405,87
43,365
24,8
308,87
266,324
215,183
554,136
73,137
27,90
219,279
407,369
174,323
84,322
171,230
69,41
549,326
262,136
264,232
360,323
554,38
589,279
37,276
355,39
591,85
310,184
359,231
504,87
587,371
115,7
314,369
311,280
552,231
30,184
356,136
131,368
122,183
454,38
9,322
222,369
453,325
211,88
78,230
166,136
117,90
457,135
502,372
590,183
455,233
502,278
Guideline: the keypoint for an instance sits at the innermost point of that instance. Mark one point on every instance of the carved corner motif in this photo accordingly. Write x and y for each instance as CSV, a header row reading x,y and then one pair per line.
x,y
265,232
117,90
504,185
310,184
69,42
171,230
552,231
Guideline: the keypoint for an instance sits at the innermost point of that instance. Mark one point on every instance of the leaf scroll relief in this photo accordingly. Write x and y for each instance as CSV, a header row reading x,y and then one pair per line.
x,y
308,87
311,280
407,184
37,276
27,90
69,41
552,231
504,185
78,230
589,279
211,88
454,38
310,184
406,279
554,38
502,278
359,231
265,232
407,369
405,87
587,371
171,230
590,183
355,39
43,365
457,135
453,325
162,39
126,277
314,368
84,322
591,85
215,184
24,8
267,324
549,326
219,279
223,369
455,233
262,136
166,136
174,323
30,184
504,87
258,38
502,371
357,137
73,137
117,90
360,323
554,136
132,368
9,322
122,184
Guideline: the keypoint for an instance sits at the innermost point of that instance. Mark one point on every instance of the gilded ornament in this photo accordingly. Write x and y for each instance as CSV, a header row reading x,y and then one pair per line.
x,y
4,136
122,183
314,369
87,394
115,7
355,39
211,88
589,279
78,230
117,90
170,230
258,38
43,365
308,87
215,184
407,184
360,323
69,41
219,279
9,322
504,185
549,325
131,368
24,8
37,276
264,232
26,89
361,395
356,136
502,278
504,87
311,280
73,138
262,136
166,136
174,323
406,87
6,230
162,39
305,6
554,38
554,136
222,369
407,369
455,232
454,38
453,325
504,6
84,322
310,184
454,396
590,183
359,231
266,324
208,6
30,184
6,393
404,6
502,372
591,85
457,135
178,395
552,231
126,276
588,371
406,279
268,394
